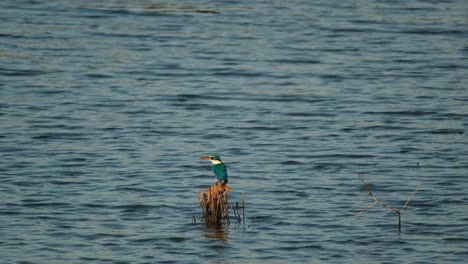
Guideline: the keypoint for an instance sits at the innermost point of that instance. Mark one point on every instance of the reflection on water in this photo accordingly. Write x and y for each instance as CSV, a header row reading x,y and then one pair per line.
x,y
217,232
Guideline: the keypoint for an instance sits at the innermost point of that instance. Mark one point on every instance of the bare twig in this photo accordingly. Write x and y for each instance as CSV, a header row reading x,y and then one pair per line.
x,y
364,209
377,201
411,196
243,208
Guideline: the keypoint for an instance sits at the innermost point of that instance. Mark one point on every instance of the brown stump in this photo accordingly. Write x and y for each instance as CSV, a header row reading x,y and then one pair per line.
x,y
214,203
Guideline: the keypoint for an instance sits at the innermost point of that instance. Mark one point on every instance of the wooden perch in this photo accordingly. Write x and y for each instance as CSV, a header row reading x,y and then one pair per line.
x,y
214,203
377,201
215,206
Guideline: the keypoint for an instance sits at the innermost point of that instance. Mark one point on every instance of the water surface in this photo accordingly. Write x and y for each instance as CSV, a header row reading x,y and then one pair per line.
x,y
106,107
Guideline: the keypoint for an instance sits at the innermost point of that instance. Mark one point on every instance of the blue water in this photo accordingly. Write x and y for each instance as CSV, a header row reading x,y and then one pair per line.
x,y
105,107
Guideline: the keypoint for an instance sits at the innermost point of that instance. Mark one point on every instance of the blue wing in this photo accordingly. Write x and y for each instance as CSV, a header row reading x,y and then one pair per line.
x,y
220,172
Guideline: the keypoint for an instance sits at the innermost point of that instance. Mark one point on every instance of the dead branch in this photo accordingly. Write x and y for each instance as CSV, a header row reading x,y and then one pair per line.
x,y
411,196
364,209
377,201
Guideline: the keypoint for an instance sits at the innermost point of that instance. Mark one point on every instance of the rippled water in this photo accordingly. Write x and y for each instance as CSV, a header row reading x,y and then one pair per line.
x,y
106,106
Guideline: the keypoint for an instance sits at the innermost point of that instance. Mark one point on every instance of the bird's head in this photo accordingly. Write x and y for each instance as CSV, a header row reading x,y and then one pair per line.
x,y
215,159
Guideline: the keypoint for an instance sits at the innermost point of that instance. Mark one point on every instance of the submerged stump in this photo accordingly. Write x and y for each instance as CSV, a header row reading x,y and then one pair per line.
x,y
215,205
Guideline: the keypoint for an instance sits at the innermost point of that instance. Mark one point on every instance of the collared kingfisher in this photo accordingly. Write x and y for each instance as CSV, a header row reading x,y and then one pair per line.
x,y
218,167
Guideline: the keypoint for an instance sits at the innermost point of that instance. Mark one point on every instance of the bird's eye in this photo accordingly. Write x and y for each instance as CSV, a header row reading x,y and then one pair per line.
x,y
211,157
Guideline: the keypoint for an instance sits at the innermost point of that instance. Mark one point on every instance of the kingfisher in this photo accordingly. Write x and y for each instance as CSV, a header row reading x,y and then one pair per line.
x,y
218,167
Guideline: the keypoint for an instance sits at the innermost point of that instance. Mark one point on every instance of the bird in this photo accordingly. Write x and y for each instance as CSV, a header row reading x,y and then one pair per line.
x,y
219,169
